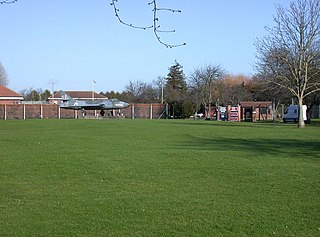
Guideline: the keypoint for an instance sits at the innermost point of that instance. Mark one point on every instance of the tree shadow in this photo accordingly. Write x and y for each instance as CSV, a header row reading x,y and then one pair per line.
x,y
268,123
289,147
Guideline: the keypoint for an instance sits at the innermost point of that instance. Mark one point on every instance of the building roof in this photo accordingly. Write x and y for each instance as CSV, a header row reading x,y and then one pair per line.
x,y
256,103
84,95
9,95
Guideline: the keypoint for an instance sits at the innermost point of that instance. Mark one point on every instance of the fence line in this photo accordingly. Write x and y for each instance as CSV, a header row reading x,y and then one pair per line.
x,y
46,111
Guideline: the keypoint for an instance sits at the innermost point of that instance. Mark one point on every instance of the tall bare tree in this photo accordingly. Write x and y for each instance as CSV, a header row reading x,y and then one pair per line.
x,y
202,82
289,55
3,76
234,88
141,92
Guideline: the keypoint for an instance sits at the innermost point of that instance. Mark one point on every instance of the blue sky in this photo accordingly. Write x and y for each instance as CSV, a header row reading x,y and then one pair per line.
x,y
74,42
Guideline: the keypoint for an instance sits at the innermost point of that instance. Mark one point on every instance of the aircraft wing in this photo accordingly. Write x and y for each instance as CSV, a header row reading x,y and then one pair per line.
x,y
94,105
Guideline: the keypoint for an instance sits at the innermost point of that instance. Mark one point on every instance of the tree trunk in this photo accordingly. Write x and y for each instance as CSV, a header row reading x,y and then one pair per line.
x,y
209,112
301,123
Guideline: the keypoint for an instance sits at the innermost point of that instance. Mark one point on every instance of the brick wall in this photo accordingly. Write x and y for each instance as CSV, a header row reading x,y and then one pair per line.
x,y
36,111
144,111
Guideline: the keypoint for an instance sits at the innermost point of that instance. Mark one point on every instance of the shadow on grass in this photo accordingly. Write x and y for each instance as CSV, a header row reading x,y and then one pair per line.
x,y
289,147
268,123
315,122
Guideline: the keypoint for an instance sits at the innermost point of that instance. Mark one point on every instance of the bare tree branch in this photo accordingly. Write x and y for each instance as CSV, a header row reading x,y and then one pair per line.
x,y
116,12
155,26
3,76
8,2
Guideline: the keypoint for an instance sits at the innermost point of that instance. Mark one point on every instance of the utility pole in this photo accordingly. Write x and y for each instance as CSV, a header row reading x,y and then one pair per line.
x,y
162,90
52,82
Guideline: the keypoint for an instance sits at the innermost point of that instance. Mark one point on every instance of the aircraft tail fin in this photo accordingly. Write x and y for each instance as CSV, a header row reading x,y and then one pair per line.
x,y
65,97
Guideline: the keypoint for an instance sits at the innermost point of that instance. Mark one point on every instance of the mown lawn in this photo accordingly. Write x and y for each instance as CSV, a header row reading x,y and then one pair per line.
x,y
158,178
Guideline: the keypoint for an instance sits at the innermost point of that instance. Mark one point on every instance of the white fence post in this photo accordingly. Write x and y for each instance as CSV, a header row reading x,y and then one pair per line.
x,y
24,111
132,111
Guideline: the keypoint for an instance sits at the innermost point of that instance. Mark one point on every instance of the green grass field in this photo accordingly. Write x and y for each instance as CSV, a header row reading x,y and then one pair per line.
x,y
158,178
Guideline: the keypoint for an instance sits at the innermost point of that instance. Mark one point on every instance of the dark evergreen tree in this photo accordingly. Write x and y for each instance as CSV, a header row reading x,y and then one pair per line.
x,y
176,91
45,95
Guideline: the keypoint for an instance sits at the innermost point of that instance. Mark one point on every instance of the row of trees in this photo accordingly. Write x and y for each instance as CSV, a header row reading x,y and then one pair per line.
x,y
35,94
206,85
185,95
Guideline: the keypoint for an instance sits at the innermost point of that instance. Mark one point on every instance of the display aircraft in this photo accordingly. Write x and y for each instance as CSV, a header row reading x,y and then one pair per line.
x,y
107,104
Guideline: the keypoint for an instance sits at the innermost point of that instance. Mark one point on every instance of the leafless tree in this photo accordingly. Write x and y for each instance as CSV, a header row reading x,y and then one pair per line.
x,y
141,92
289,55
158,84
155,26
232,89
3,76
202,82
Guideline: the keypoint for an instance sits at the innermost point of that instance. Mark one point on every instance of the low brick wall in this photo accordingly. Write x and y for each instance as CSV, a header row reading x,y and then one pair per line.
x,y
45,111
144,111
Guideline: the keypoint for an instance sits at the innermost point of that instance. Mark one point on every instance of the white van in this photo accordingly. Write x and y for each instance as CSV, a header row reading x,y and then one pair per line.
x,y
293,116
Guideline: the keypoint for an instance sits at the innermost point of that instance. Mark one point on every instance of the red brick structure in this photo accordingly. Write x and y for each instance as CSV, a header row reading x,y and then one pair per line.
x,y
145,111
77,95
52,111
8,96
252,111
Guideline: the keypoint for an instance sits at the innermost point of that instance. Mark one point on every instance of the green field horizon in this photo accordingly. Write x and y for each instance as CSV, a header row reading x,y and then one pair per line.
x,y
158,178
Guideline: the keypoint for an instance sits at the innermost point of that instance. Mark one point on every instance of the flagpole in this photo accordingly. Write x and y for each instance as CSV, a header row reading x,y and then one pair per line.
x,y
93,82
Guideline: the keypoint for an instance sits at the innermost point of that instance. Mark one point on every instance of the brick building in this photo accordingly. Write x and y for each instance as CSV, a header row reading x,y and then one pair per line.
x,y
8,96
77,95
252,111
